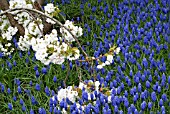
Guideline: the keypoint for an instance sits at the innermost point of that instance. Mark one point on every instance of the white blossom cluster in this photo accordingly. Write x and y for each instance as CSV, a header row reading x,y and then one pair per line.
x,y
49,48
73,94
7,32
31,32
75,30
49,10
109,59
67,93
19,4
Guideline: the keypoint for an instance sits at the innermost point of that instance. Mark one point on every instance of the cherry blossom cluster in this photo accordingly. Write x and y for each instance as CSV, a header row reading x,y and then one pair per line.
x,y
109,58
86,91
7,32
76,31
49,48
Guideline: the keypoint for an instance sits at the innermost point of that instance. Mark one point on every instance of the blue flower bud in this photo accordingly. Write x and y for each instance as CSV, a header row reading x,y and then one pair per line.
x,y
8,90
47,91
40,111
14,63
143,78
143,96
169,80
129,111
10,66
63,67
33,100
51,102
29,53
9,106
147,84
159,89
30,83
135,98
163,77
44,70
150,78
27,60
15,98
21,101
93,9
131,91
71,65
164,97
102,98
1,54
126,93
99,1
37,87
35,67
51,109
136,111
122,86
146,93
23,108
85,25
17,81
55,79
139,87
116,109
132,107
62,104
154,87
131,73
160,102
143,105
139,66
92,96
31,111
126,103
88,28
163,109
84,96
153,96
163,83
149,105
20,54
137,80
87,109
114,83
37,73
19,90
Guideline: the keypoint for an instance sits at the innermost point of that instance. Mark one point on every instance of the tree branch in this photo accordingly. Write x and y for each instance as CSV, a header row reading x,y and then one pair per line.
x,y
43,14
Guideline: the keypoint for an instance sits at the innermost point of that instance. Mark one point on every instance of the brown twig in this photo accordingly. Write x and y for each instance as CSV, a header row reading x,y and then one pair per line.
x,y
68,72
79,72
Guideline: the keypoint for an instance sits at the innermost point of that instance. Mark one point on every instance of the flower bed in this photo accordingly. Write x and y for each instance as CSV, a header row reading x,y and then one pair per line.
x,y
85,57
